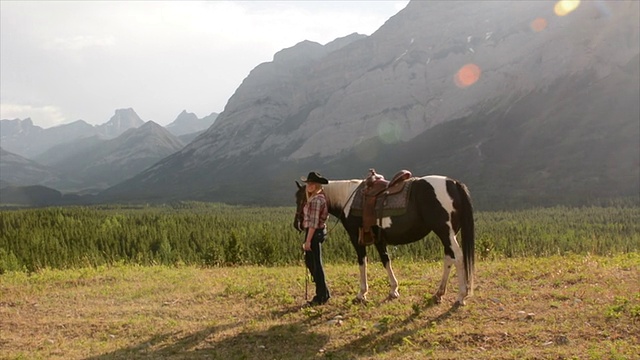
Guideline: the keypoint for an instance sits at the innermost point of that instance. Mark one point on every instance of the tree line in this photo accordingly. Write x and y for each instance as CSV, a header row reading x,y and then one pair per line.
x,y
207,234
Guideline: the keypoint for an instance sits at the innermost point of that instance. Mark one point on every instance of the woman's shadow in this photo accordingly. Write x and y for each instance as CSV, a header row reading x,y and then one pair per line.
x,y
294,340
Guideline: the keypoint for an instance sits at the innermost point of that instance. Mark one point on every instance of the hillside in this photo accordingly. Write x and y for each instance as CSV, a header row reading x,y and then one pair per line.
x,y
85,154
28,140
552,118
108,162
17,170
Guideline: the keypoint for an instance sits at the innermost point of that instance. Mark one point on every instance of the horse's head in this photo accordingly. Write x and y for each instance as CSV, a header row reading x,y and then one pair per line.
x,y
301,199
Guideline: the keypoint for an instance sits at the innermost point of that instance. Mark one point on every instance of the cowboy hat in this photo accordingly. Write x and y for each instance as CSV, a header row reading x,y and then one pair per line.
x,y
314,177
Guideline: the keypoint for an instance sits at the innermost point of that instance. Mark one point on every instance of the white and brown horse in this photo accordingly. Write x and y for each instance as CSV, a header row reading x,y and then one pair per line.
x,y
436,203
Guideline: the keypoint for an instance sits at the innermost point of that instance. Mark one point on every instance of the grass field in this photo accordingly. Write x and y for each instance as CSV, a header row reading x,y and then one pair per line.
x,y
575,307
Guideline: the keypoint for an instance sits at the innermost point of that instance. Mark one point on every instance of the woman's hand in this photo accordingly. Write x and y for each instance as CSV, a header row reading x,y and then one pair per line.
x,y
307,243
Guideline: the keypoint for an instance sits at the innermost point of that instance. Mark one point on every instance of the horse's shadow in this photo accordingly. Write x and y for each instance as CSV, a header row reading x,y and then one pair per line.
x,y
390,337
299,342
296,340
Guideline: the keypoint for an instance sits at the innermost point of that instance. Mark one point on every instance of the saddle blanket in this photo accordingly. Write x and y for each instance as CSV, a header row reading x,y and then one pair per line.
x,y
386,205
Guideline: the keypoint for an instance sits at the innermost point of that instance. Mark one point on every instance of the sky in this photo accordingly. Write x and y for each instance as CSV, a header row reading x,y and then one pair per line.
x,y
62,61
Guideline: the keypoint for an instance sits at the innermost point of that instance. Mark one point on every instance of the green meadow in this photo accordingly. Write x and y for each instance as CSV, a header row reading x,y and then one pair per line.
x,y
211,281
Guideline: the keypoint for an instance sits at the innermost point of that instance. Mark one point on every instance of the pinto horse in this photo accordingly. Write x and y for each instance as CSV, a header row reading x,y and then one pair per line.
x,y
436,203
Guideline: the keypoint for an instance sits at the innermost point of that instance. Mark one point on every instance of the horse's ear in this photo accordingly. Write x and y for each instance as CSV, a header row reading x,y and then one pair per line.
x,y
299,186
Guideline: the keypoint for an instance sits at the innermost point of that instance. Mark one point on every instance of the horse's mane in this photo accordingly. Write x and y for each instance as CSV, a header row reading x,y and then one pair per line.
x,y
339,193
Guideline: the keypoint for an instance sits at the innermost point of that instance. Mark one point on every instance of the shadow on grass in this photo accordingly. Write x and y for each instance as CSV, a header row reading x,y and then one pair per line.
x,y
292,340
285,341
391,336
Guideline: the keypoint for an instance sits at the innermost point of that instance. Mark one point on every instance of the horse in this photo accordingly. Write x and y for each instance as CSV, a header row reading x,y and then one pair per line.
x,y
435,203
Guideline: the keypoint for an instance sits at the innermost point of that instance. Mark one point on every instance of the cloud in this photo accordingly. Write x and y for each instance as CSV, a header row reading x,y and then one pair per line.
x,y
85,59
79,42
47,115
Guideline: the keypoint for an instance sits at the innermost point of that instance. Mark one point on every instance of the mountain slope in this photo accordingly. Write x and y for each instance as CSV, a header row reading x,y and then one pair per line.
x,y
23,138
108,162
17,170
188,123
57,155
546,98
583,148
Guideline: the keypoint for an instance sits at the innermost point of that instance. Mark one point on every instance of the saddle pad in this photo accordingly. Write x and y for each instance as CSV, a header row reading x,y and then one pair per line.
x,y
389,205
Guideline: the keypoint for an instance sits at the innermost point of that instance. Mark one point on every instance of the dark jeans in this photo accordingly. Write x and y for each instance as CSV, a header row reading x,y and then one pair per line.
x,y
313,260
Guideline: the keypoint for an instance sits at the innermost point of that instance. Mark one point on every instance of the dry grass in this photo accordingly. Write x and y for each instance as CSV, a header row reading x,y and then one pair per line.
x,y
578,307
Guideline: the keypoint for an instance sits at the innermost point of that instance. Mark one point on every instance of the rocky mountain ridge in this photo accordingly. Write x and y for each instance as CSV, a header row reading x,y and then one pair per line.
x,y
90,163
525,106
188,123
401,77
31,141
310,108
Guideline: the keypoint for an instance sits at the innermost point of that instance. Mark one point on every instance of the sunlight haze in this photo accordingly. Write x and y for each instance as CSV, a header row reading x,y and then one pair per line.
x,y
65,61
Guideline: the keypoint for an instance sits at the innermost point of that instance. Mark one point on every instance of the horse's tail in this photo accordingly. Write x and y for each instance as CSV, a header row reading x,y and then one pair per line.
x,y
467,235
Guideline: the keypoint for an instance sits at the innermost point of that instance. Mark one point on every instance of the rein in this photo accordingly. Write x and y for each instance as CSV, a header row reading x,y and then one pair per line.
x,y
334,226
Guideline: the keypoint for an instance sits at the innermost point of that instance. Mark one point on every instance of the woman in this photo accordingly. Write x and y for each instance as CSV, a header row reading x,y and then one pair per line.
x,y
315,215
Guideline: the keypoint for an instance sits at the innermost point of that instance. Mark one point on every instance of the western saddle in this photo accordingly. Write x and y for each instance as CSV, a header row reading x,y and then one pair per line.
x,y
380,197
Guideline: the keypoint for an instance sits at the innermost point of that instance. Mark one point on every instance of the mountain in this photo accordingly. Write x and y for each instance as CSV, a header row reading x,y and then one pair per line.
x,y
14,132
30,195
525,106
121,121
104,163
73,161
57,155
188,123
28,140
343,41
23,138
187,138
17,170
83,167
13,128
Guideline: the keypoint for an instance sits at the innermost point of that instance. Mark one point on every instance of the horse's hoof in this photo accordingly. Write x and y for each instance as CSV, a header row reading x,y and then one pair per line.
x,y
459,303
391,297
437,299
357,301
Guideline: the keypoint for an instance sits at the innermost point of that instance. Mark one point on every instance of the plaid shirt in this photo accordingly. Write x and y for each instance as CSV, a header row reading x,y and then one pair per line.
x,y
315,212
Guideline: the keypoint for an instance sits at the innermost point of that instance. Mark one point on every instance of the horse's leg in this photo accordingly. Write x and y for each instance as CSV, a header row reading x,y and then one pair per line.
x,y
442,289
452,256
386,262
459,261
362,262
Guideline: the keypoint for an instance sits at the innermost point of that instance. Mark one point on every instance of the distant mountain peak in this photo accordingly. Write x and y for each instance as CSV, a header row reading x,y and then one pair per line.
x,y
127,115
185,116
151,123
188,123
301,52
343,41
121,121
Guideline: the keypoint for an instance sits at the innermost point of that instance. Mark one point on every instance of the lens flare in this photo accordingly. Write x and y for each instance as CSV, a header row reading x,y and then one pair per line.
x,y
564,7
389,133
538,24
467,75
